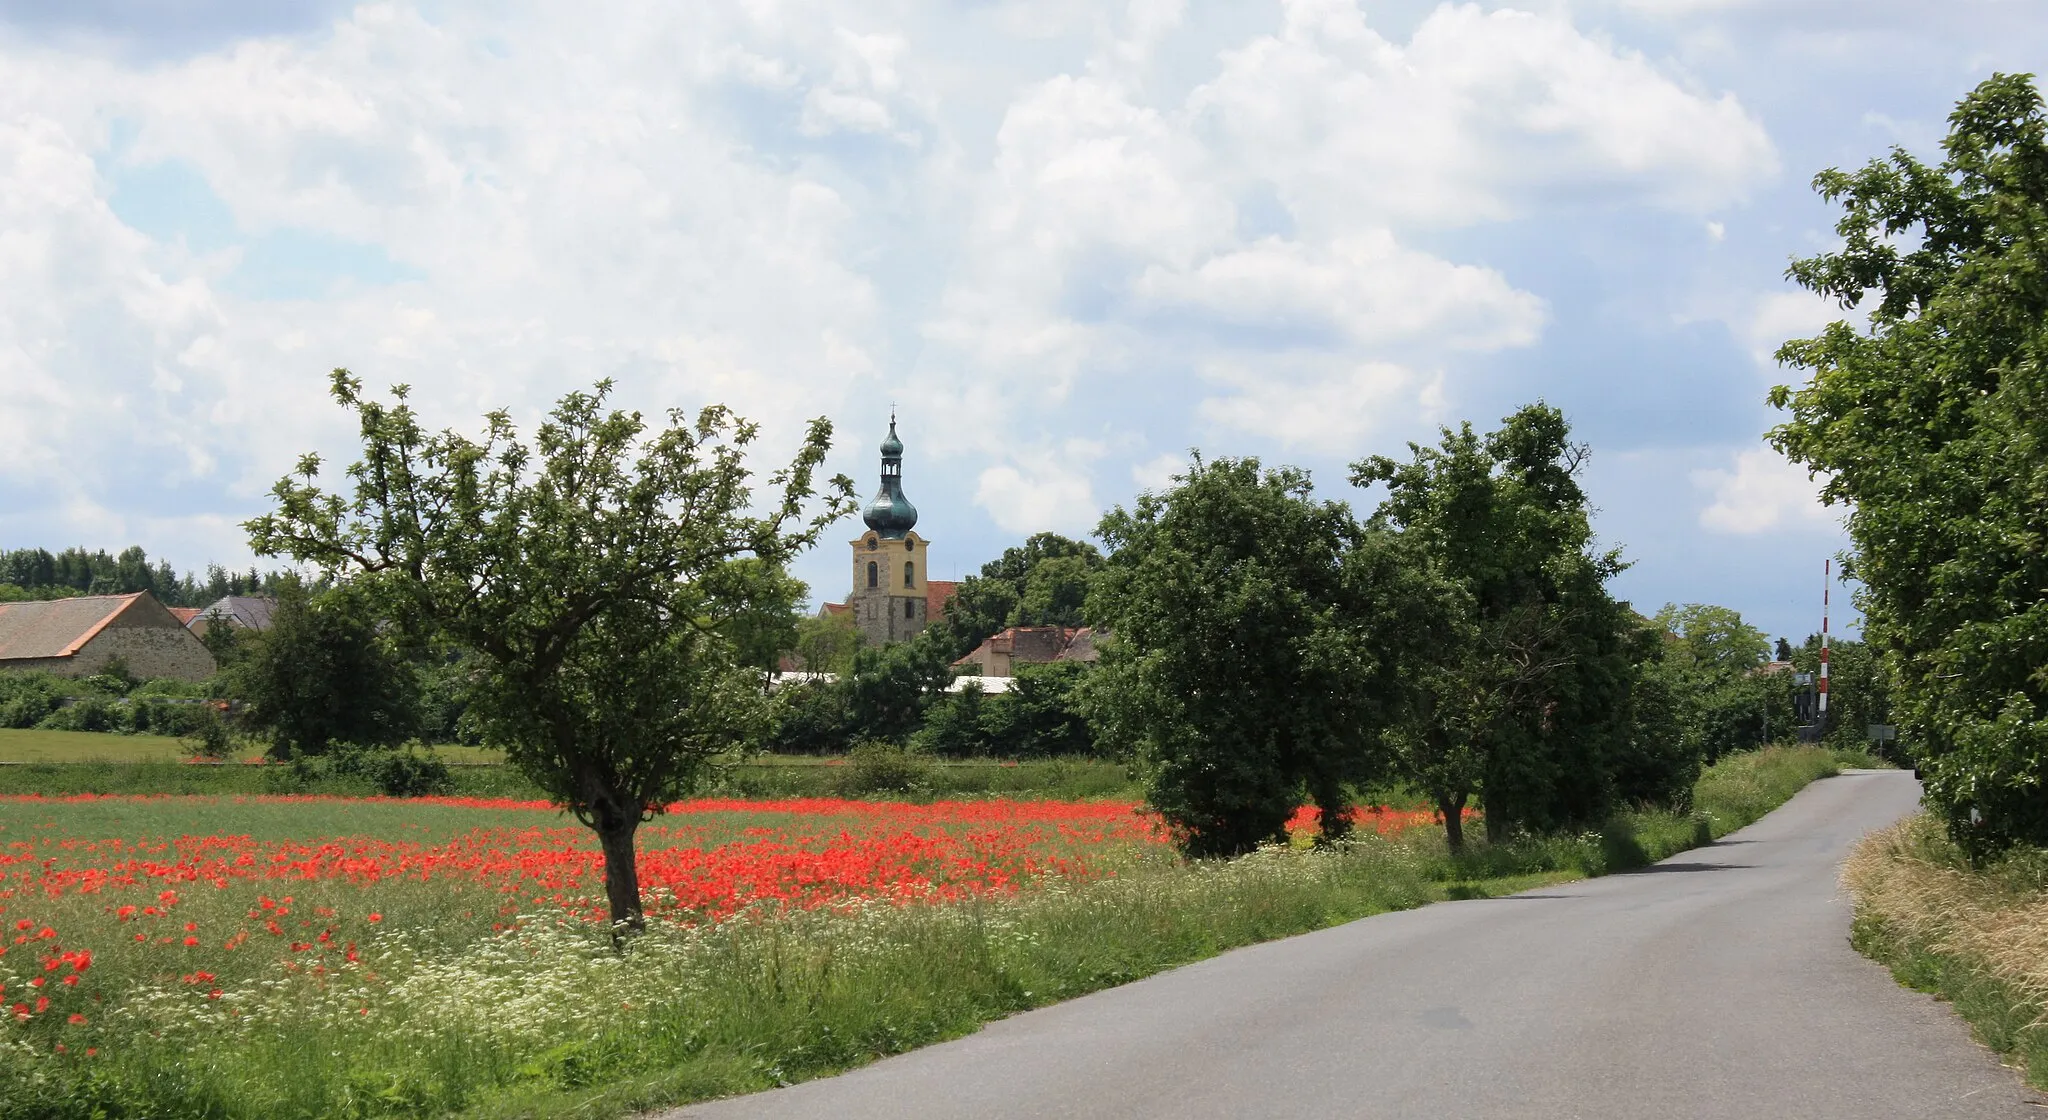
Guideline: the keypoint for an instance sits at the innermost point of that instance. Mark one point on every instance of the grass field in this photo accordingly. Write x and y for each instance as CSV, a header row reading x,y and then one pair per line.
x,y
304,956
32,745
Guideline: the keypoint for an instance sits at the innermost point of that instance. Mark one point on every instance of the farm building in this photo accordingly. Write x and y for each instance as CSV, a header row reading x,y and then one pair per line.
x,y
78,637
243,612
1029,645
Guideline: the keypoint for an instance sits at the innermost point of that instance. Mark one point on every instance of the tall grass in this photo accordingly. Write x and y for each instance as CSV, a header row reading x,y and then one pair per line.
x,y
543,1019
1976,936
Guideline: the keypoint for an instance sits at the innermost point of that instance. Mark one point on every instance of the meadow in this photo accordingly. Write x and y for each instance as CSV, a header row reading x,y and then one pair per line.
x,y
283,956
37,745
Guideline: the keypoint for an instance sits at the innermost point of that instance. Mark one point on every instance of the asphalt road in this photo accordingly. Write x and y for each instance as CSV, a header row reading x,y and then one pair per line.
x,y
1716,984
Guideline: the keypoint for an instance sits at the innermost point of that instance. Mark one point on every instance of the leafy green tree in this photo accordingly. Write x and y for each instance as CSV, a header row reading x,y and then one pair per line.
x,y
1043,715
1715,638
959,724
826,643
1931,426
771,628
1040,716
1043,582
1526,700
1711,660
888,689
1239,678
600,578
323,676
810,717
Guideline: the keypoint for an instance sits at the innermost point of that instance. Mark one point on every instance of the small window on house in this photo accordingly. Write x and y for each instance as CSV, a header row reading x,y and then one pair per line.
x,y
909,575
874,574
910,608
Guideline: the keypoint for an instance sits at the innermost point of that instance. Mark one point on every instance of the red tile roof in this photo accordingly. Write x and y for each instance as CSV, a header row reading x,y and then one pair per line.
x,y
937,593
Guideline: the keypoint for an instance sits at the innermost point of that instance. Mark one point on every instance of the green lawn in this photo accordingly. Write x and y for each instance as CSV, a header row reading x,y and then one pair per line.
x,y
30,745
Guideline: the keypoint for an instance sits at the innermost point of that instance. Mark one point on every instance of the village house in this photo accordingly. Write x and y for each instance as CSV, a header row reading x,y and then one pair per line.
x,y
1029,645
243,612
79,637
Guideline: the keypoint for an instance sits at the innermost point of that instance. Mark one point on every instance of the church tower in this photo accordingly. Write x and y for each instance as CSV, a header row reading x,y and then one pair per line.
x,y
889,560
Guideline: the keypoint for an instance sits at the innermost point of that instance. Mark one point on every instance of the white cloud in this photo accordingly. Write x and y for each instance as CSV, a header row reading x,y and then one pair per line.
x,y
1047,489
1364,287
568,205
784,206
1778,317
1157,473
1323,406
1763,492
1479,116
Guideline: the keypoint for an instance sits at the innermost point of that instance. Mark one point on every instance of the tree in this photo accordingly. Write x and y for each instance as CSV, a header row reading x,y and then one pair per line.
x,y
1236,678
773,625
826,643
599,578
888,689
1931,426
322,676
1043,582
1711,660
1526,700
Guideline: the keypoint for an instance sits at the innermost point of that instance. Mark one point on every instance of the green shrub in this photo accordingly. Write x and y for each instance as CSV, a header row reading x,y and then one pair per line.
x,y
409,772
26,699
210,737
875,766
810,718
94,713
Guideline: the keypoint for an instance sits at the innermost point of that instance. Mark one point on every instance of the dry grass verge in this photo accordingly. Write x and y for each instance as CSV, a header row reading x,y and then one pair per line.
x,y
1977,937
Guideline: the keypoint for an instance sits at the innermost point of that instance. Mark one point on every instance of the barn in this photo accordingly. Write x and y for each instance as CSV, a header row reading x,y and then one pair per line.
x,y
78,637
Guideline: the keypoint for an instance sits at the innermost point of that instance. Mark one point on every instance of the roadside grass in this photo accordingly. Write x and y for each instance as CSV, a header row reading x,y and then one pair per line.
x,y
1976,937
444,1015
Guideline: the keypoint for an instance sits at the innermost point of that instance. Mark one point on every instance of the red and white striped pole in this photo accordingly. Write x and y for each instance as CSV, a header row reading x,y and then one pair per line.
x,y
1827,581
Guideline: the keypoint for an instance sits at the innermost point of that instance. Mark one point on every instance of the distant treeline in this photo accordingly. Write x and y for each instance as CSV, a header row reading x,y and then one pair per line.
x,y
38,573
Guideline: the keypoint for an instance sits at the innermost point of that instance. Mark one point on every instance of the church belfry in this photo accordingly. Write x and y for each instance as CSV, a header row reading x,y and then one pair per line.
x,y
889,560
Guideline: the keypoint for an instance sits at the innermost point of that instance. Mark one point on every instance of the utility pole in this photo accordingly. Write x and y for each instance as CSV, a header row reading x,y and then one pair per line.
x,y
1827,583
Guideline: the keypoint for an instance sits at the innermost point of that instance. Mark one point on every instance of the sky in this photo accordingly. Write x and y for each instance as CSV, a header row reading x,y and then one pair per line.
x,y
1068,242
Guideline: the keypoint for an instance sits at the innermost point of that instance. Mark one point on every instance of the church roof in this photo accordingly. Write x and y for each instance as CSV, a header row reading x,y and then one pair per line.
x,y
891,514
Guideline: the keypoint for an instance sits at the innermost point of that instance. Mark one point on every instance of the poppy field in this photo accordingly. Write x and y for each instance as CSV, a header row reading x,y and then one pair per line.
x,y
297,956
135,928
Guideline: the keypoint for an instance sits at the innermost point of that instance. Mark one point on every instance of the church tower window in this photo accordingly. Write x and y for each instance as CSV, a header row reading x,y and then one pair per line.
x,y
874,574
910,608
909,574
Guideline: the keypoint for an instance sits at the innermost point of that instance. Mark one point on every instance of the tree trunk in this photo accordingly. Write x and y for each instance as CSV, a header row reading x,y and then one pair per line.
x,y
1497,828
1328,795
1453,810
622,875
